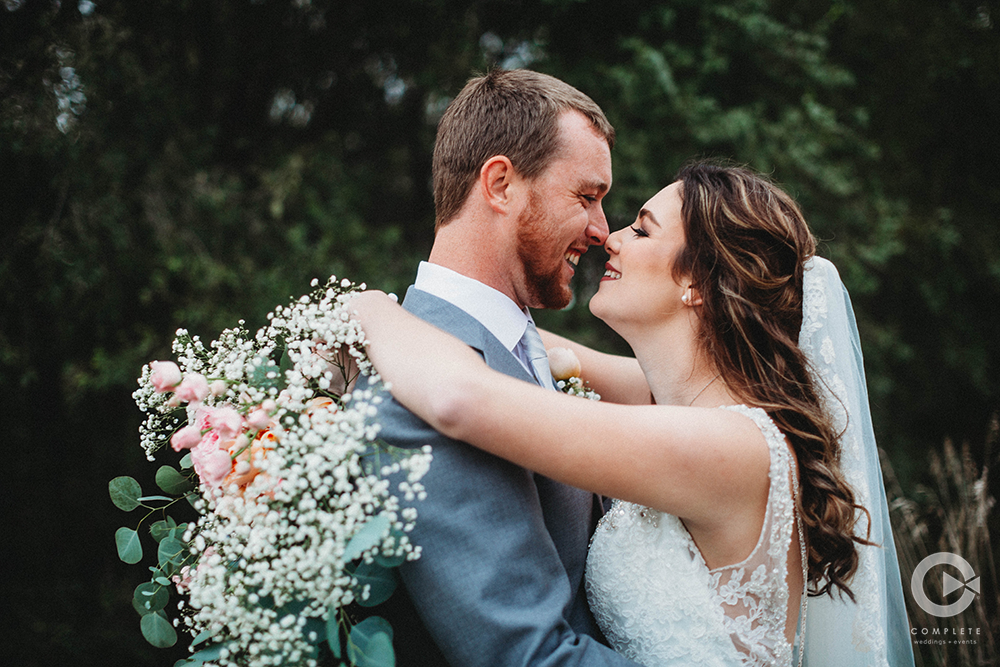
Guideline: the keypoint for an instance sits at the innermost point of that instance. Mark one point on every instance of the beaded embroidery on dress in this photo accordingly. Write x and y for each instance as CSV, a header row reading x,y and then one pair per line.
x,y
658,603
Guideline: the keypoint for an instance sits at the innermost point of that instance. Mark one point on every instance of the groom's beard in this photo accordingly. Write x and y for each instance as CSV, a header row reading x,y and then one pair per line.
x,y
542,276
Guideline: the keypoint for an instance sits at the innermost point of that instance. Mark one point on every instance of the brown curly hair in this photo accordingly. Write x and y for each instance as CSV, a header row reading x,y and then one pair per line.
x,y
747,243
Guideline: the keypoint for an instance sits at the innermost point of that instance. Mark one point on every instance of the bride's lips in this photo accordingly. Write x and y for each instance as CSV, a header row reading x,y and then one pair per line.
x,y
610,273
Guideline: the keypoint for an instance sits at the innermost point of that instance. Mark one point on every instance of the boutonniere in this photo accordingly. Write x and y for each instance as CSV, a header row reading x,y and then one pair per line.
x,y
565,367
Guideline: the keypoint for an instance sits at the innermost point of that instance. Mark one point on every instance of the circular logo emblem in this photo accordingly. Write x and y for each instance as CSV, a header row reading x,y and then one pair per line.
x,y
949,584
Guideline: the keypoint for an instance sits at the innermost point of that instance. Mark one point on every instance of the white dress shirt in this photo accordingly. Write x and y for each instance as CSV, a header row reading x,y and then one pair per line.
x,y
492,308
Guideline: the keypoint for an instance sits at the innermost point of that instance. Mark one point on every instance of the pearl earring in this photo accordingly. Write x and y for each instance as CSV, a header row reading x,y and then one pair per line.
x,y
685,298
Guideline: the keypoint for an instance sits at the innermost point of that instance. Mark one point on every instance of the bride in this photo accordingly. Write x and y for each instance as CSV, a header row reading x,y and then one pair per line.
x,y
738,446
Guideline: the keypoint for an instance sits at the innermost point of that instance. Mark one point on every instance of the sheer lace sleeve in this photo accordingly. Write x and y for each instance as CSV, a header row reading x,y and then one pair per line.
x,y
658,603
755,593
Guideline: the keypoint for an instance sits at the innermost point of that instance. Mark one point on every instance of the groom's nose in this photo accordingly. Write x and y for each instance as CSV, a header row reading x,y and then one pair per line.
x,y
597,229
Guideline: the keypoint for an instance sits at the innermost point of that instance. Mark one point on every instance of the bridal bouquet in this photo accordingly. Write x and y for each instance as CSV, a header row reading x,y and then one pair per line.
x,y
298,526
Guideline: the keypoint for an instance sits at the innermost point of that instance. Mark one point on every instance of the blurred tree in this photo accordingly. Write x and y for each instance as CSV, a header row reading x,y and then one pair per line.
x,y
929,77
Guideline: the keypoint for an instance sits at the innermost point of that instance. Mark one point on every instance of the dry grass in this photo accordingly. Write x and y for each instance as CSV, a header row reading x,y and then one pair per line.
x,y
950,514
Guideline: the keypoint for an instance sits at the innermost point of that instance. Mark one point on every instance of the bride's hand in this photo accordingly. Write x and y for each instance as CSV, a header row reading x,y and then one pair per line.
x,y
372,308
341,366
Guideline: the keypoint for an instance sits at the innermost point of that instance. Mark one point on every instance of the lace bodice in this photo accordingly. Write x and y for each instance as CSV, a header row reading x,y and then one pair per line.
x,y
659,604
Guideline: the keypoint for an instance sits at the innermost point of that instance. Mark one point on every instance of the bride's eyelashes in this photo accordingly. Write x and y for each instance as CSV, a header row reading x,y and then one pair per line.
x,y
639,231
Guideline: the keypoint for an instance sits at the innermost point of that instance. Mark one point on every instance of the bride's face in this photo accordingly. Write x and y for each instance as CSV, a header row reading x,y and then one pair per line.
x,y
638,287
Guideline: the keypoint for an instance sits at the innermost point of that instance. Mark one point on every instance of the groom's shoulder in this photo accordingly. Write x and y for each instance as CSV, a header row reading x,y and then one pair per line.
x,y
439,312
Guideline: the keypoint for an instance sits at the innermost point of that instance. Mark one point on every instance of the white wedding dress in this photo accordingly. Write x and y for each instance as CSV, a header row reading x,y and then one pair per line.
x,y
659,604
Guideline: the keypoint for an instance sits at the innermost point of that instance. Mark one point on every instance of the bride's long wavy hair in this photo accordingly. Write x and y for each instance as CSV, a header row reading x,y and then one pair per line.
x,y
746,245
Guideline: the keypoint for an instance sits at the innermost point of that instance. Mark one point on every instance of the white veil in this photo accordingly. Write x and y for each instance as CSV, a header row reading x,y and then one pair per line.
x,y
874,631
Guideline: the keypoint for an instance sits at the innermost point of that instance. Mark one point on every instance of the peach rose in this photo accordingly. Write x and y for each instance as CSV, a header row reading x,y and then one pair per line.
x,y
245,468
319,403
563,363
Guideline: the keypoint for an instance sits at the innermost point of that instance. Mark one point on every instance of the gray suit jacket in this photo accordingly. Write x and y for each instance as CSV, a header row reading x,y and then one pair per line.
x,y
501,576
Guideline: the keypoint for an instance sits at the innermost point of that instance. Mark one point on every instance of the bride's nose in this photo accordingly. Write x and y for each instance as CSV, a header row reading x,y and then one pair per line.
x,y
614,242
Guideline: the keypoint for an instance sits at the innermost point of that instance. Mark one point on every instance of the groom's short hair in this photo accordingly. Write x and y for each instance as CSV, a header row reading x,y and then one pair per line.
x,y
514,113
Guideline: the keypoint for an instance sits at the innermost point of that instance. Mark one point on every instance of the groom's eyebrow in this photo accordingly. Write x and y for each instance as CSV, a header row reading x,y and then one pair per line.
x,y
644,213
598,186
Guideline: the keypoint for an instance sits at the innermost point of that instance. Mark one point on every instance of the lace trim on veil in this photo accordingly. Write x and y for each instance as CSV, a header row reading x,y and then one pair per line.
x,y
866,634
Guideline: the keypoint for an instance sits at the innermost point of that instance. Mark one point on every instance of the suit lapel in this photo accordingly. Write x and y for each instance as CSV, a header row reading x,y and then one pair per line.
x,y
466,328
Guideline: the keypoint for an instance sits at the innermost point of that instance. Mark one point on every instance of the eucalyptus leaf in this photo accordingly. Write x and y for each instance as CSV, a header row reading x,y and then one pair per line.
x,y
150,598
177,532
125,493
371,534
266,376
172,481
171,551
202,636
157,630
162,528
166,569
187,462
286,362
148,498
370,644
390,561
129,547
333,630
314,631
380,580
208,653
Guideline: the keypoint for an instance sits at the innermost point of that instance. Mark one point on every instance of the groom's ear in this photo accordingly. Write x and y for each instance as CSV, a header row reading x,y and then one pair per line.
x,y
496,183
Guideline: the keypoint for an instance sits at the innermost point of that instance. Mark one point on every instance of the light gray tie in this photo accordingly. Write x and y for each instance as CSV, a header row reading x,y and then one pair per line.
x,y
537,356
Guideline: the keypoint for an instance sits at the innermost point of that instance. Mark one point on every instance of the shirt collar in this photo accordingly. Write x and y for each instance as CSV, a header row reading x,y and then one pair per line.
x,y
492,308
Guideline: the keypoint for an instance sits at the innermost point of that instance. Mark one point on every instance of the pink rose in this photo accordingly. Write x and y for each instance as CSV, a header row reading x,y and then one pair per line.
x,y
203,417
193,389
211,461
166,375
227,422
186,438
182,581
259,418
215,467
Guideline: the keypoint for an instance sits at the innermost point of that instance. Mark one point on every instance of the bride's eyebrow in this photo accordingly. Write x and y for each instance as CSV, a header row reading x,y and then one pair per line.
x,y
645,214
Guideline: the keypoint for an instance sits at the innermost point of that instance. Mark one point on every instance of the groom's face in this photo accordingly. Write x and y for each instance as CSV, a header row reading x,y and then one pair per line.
x,y
563,215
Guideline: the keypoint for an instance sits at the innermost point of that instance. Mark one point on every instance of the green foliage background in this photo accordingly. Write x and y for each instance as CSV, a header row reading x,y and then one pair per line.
x,y
188,163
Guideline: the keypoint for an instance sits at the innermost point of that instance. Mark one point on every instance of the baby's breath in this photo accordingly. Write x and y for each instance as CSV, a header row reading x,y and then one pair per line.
x,y
574,386
270,556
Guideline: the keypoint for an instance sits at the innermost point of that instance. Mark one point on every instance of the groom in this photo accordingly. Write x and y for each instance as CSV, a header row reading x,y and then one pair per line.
x,y
521,164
